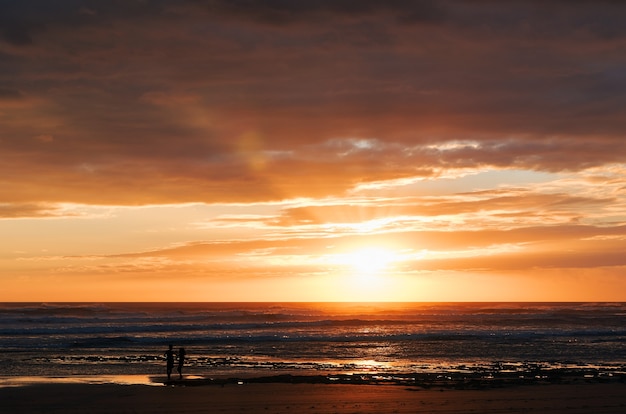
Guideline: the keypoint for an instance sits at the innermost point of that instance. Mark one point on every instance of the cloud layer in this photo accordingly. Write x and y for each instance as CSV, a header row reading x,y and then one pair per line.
x,y
150,100
475,125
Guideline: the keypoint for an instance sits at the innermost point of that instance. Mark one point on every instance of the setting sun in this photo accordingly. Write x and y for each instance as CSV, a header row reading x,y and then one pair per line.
x,y
369,261
365,273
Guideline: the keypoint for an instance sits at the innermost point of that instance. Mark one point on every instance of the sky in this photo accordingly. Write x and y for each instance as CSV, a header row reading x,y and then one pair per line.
x,y
314,150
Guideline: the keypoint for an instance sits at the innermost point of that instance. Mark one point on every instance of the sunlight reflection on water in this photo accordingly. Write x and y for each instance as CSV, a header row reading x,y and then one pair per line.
x,y
20,381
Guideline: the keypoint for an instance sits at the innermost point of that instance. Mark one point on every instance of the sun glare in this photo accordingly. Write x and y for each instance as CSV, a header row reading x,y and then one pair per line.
x,y
366,274
369,261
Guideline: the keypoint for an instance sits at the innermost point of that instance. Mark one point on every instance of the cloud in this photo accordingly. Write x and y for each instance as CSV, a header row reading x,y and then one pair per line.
x,y
8,211
488,203
44,138
526,261
279,12
156,101
542,246
10,94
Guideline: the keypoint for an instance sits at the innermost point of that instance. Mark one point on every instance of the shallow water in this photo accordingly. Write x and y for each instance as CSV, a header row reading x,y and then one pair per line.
x,y
20,381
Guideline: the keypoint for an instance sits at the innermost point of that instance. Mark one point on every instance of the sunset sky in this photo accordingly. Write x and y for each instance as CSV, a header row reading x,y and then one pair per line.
x,y
329,150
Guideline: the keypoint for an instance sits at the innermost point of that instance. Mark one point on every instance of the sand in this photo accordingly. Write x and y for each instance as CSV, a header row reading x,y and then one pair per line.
x,y
595,398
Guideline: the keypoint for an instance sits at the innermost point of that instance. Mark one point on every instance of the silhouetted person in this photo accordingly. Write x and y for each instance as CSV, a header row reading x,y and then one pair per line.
x,y
169,357
181,362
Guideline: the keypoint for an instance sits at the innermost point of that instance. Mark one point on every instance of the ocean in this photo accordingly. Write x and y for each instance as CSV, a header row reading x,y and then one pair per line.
x,y
261,339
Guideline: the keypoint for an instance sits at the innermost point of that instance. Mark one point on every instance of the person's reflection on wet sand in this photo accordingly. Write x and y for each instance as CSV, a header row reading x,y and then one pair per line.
x,y
181,361
169,357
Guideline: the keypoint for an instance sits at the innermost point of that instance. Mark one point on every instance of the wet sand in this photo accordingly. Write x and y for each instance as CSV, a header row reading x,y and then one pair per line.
x,y
312,398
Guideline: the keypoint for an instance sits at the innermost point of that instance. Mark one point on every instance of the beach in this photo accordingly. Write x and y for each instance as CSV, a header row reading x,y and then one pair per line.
x,y
276,398
316,358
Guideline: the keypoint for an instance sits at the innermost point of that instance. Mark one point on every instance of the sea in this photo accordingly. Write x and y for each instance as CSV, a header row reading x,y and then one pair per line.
x,y
228,340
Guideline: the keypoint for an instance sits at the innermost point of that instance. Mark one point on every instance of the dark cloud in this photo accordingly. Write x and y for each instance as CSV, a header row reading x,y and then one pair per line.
x,y
10,94
281,12
18,35
23,22
168,91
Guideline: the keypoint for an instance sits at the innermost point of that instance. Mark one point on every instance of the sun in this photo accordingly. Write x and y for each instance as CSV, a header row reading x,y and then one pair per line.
x,y
369,261
365,274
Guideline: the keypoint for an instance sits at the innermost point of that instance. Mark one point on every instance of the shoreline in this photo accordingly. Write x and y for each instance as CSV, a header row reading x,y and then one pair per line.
x,y
469,379
424,381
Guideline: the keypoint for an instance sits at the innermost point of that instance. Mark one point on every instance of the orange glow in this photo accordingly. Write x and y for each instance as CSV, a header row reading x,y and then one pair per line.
x,y
368,262
312,153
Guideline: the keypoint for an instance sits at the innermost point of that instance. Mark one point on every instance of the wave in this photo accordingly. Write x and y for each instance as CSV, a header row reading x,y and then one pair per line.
x,y
460,340
92,337
128,324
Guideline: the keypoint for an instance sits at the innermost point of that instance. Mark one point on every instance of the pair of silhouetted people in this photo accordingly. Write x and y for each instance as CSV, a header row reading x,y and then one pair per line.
x,y
169,357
